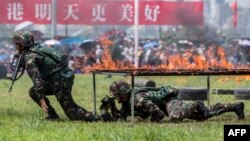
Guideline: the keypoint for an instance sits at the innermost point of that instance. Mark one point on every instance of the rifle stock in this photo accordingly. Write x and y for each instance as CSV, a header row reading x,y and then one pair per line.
x,y
16,66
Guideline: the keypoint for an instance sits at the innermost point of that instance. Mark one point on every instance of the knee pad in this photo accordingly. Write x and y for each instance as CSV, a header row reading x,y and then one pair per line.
x,y
202,111
32,93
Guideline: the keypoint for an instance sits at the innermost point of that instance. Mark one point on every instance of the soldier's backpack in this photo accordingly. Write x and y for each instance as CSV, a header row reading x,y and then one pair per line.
x,y
53,60
51,53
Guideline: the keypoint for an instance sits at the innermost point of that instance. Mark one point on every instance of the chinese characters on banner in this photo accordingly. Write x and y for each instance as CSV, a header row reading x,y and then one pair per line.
x,y
99,12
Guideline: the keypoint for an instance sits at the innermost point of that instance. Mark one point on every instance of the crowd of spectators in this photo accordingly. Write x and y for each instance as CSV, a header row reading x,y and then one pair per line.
x,y
151,52
155,52
7,52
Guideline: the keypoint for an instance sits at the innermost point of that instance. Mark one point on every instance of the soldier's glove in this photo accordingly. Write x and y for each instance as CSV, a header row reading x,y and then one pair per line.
x,y
107,102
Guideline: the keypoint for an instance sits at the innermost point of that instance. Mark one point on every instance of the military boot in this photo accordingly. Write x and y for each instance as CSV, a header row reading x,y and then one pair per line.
x,y
52,115
238,108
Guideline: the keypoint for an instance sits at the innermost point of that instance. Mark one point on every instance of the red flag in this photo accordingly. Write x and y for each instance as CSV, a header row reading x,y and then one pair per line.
x,y
235,17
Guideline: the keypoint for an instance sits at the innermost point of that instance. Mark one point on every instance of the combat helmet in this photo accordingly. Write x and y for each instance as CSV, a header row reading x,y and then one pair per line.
x,y
119,87
25,38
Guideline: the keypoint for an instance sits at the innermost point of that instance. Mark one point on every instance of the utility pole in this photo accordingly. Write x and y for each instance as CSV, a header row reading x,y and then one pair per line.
x,y
136,38
136,59
54,19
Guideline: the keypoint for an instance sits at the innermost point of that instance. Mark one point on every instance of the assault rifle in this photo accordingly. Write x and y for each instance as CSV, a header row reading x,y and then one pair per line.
x,y
108,104
17,65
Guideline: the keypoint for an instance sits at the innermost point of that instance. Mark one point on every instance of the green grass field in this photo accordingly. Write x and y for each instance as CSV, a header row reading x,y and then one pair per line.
x,y
22,120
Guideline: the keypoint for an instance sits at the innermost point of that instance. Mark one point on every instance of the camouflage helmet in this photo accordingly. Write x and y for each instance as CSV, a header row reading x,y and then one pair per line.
x,y
25,38
119,87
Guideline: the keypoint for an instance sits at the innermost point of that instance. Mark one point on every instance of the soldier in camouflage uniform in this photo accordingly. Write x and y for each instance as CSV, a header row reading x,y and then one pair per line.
x,y
158,102
50,75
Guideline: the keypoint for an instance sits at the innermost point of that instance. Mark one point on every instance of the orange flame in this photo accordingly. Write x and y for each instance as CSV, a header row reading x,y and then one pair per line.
x,y
214,58
109,64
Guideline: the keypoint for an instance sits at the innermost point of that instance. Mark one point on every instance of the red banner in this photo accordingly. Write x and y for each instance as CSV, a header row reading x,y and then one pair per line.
x,y
17,11
100,12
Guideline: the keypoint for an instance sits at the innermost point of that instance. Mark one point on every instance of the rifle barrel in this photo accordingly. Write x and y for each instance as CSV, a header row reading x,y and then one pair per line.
x,y
18,60
10,89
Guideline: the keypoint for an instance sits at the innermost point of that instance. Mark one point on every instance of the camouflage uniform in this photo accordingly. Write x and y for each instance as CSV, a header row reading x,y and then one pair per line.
x,y
158,102
50,75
